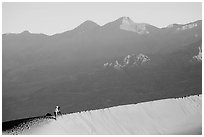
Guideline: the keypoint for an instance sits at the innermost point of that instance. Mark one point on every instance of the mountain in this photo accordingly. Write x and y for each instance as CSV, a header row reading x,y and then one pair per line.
x,y
168,116
82,28
67,68
139,28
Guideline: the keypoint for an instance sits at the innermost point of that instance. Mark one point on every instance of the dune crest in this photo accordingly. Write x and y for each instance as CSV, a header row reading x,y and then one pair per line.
x,y
167,116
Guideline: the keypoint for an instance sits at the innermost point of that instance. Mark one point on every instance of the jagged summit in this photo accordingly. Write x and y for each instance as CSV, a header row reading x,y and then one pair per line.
x,y
129,25
126,20
121,19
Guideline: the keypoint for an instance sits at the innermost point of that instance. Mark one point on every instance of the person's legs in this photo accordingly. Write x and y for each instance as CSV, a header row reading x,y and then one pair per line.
x,y
55,114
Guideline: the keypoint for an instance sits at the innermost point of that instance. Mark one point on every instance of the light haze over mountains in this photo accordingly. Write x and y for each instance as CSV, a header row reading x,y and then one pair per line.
x,y
40,71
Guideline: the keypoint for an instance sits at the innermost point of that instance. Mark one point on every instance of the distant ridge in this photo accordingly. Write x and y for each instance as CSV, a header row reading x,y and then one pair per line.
x,y
87,25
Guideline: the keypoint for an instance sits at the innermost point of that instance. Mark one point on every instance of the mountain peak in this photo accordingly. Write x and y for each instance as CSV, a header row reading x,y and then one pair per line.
x,y
127,20
25,32
128,25
124,19
90,22
87,25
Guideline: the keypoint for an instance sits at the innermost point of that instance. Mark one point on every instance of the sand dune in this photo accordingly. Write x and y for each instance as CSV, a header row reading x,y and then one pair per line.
x,y
168,116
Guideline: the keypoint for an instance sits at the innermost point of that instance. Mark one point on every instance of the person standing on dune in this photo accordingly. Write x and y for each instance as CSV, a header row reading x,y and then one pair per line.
x,y
57,111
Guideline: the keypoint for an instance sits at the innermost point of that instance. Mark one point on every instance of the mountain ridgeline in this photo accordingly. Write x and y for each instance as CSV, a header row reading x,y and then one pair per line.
x,y
95,66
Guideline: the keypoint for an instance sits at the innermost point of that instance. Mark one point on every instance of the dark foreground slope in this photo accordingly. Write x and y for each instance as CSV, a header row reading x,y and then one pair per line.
x,y
9,125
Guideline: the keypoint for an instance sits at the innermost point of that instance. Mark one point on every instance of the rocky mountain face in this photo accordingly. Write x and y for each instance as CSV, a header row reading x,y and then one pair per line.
x,y
67,68
128,25
198,57
141,59
129,61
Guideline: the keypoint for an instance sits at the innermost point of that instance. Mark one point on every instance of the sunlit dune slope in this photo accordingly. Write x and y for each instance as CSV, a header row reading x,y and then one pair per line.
x,y
168,116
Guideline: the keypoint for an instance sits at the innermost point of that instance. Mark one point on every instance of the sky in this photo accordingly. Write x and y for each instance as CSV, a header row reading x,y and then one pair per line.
x,y
52,18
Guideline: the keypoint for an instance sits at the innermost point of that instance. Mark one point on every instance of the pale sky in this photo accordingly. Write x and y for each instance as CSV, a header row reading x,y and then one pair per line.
x,y
51,18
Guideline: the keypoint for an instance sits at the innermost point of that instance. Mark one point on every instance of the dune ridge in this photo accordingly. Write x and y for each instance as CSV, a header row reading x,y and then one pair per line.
x,y
167,116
